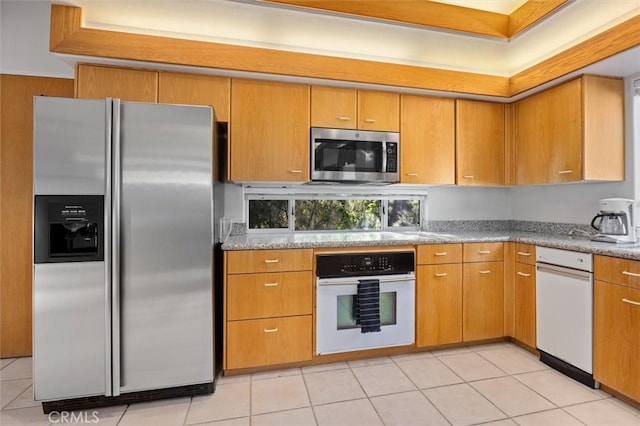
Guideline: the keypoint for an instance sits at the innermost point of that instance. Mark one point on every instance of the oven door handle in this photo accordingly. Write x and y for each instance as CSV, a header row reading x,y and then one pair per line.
x,y
409,278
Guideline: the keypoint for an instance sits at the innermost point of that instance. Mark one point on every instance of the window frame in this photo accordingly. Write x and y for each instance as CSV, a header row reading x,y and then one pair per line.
x,y
291,198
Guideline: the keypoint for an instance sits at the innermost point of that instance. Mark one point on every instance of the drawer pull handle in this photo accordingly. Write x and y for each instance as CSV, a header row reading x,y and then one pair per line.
x,y
631,274
412,174
467,177
270,330
271,260
369,120
270,284
440,274
344,118
484,252
485,272
521,253
565,172
522,274
441,253
295,171
631,302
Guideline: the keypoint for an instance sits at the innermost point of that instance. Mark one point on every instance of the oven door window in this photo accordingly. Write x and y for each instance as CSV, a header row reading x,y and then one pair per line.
x,y
346,313
348,156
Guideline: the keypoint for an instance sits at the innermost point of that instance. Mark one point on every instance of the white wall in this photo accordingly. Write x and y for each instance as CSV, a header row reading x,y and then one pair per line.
x,y
460,203
24,40
578,203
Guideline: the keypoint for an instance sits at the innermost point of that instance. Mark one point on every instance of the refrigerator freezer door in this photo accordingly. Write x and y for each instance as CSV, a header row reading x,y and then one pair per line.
x,y
166,321
69,146
68,333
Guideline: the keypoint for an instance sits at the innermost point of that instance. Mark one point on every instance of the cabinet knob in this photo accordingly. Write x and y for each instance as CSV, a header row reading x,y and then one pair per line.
x,y
467,177
270,284
369,120
522,274
565,172
521,253
631,274
271,260
485,272
270,330
295,171
631,302
440,274
412,174
344,118
484,251
441,253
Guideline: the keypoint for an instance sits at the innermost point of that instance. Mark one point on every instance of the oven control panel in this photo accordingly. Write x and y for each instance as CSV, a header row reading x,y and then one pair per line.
x,y
362,264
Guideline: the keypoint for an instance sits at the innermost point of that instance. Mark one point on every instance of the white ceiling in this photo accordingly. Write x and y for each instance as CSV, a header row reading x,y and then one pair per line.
x,y
253,23
506,7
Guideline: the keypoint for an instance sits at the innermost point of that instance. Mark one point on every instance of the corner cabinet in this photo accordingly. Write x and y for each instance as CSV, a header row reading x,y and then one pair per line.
x,y
572,132
483,291
269,131
345,108
267,308
439,294
616,320
427,133
480,157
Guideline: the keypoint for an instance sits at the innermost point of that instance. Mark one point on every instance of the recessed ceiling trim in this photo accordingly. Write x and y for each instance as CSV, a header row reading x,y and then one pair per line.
x,y
427,13
69,37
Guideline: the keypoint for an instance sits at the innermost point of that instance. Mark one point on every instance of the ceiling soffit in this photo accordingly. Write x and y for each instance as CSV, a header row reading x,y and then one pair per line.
x,y
431,14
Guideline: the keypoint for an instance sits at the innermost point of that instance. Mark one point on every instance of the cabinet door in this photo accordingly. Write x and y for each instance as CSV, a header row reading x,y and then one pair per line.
x,y
427,132
194,89
378,111
482,301
439,305
549,136
525,304
333,107
270,131
270,341
480,143
616,338
98,82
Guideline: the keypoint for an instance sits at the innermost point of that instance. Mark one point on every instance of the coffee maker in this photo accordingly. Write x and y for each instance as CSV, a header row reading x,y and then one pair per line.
x,y
616,222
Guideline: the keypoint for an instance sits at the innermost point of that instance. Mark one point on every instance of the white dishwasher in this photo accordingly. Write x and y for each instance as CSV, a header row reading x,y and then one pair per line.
x,y
564,312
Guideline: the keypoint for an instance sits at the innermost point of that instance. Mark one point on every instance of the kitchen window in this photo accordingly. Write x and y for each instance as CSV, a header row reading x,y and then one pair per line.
x,y
322,212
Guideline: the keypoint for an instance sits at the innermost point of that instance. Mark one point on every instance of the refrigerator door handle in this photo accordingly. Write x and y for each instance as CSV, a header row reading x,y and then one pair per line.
x,y
116,195
108,249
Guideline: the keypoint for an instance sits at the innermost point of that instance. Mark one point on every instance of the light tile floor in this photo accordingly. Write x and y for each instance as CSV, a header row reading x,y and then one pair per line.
x,y
497,384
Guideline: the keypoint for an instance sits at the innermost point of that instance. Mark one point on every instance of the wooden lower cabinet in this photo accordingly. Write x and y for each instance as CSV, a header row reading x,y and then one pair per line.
x,y
270,341
482,300
525,304
439,304
617,337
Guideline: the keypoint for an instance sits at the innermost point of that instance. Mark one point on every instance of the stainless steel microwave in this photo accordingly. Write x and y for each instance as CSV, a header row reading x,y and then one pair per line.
x,y
358,156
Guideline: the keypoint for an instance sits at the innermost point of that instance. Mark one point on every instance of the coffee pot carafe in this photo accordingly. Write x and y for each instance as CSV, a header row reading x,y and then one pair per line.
x,y
615,222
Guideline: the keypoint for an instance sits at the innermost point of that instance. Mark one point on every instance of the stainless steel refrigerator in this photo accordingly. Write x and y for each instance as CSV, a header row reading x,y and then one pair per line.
x,y
124,211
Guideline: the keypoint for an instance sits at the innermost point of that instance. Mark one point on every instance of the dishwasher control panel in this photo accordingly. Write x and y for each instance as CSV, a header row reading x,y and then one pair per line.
x,y
566,258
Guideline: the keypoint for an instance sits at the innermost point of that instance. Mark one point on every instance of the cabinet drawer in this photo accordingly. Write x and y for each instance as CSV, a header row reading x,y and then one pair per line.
x,y
439,253
272,341
616,270
483,252
526,253
252,261
252,296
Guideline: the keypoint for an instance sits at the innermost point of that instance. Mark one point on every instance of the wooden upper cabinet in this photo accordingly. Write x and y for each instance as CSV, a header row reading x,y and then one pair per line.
x,y
195,89
345,108
99,82
480,143
269,129
378,111
572,132
333,107
427,132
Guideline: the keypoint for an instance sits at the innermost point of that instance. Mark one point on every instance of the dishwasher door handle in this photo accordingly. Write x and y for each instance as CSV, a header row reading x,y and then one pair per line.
x,y
568,272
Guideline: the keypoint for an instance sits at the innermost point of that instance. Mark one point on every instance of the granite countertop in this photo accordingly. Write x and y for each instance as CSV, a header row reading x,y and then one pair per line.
x,y
386,238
